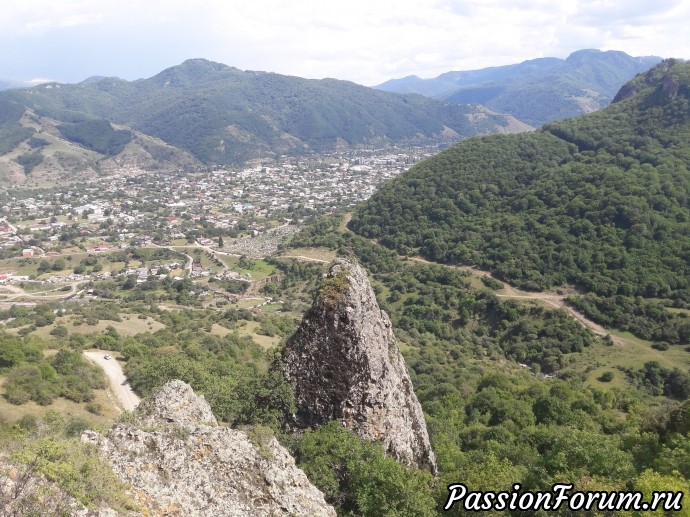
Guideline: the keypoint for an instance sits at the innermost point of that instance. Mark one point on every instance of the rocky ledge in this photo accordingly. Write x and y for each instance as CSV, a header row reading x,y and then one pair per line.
x,y
345,364
181,462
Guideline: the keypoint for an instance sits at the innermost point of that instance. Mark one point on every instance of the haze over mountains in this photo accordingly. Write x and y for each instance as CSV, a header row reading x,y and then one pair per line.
x,y
538,90
203,113
220,115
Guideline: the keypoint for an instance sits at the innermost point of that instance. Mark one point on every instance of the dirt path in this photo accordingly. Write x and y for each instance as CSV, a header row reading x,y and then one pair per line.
x,y
126,398
508,291
307,259
553,299
51,294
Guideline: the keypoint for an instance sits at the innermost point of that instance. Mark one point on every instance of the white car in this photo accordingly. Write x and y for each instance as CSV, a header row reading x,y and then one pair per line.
x,y
107,357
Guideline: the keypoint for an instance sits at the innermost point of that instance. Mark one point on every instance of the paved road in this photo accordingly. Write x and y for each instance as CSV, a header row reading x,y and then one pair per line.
x,y
119,383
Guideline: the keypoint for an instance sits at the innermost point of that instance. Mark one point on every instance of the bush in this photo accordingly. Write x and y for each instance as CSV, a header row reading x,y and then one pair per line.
x,y
31,382
606,377
59,331
94,408
357,478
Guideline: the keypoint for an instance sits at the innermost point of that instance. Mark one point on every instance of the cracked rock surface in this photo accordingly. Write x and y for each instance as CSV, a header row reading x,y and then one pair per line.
x,y
181,462
345,364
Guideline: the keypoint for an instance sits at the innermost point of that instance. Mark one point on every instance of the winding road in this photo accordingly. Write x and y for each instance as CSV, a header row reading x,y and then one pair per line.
x,y
508,291
553,299
125,397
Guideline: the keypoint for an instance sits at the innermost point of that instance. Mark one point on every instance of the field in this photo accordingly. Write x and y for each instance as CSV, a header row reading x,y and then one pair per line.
x,y
258,269
317,254
131,325
633,354
9,413
250,330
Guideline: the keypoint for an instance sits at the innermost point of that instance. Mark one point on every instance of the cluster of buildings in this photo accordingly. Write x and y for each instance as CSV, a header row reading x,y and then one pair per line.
x,y
211,207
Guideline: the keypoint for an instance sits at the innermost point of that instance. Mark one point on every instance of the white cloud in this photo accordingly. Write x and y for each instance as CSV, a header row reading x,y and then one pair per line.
x,y
39,80
367,41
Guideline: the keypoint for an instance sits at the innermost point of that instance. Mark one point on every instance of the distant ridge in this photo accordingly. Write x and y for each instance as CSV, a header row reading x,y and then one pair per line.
x,y
220,114
600,201
535,91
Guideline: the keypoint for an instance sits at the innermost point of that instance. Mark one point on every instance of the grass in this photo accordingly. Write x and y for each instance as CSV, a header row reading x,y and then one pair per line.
x,y
247,304
342,227
11,413
250,329
258,269
476,283
633,354
20,266
130,325
313,253
38,287
219,330
271,308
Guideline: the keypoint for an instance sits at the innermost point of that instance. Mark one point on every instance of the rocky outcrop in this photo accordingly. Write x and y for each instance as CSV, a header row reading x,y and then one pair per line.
x,y
23,491
181,462
345,364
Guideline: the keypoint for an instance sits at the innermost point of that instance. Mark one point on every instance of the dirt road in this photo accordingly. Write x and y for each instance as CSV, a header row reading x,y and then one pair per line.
x,y
126,398
553,299
306,259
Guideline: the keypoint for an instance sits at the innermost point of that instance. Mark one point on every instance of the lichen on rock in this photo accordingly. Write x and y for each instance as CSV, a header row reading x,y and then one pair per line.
x,y
181,462
345,364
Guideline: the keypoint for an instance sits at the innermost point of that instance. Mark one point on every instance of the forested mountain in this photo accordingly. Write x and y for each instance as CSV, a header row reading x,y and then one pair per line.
x,y
535,91
35,148
221,114
600,201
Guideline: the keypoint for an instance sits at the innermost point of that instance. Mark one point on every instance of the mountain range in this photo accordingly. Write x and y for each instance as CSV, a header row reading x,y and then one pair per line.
x,y
600,202
217,114
535,91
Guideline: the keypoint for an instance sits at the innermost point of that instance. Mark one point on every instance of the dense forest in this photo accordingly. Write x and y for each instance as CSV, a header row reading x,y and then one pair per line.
x,y
600,201
97,135
222,115
492,422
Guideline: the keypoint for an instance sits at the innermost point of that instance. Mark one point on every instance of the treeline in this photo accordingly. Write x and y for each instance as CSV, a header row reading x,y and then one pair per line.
x,y
646,319
96,135
657,380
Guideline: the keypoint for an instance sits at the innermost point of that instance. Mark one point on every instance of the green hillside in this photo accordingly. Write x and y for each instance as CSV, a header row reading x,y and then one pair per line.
x,y
600,202
223,115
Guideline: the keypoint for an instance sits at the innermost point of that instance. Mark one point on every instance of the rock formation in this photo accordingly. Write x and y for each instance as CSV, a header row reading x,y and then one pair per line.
x,y
181,462
345,364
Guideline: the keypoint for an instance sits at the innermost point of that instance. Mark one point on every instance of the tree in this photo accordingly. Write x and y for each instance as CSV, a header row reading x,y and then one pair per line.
x,y
44,267
650,481
357,478
11,353
59,331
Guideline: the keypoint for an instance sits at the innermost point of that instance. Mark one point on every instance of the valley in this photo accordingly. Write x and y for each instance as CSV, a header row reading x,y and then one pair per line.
x,y
509,309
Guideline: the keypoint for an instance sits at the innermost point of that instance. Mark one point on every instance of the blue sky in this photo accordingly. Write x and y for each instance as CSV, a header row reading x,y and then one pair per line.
x,y
366,41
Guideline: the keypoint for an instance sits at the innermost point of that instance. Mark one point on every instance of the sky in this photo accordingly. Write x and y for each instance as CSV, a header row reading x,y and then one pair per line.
x,y
365,41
